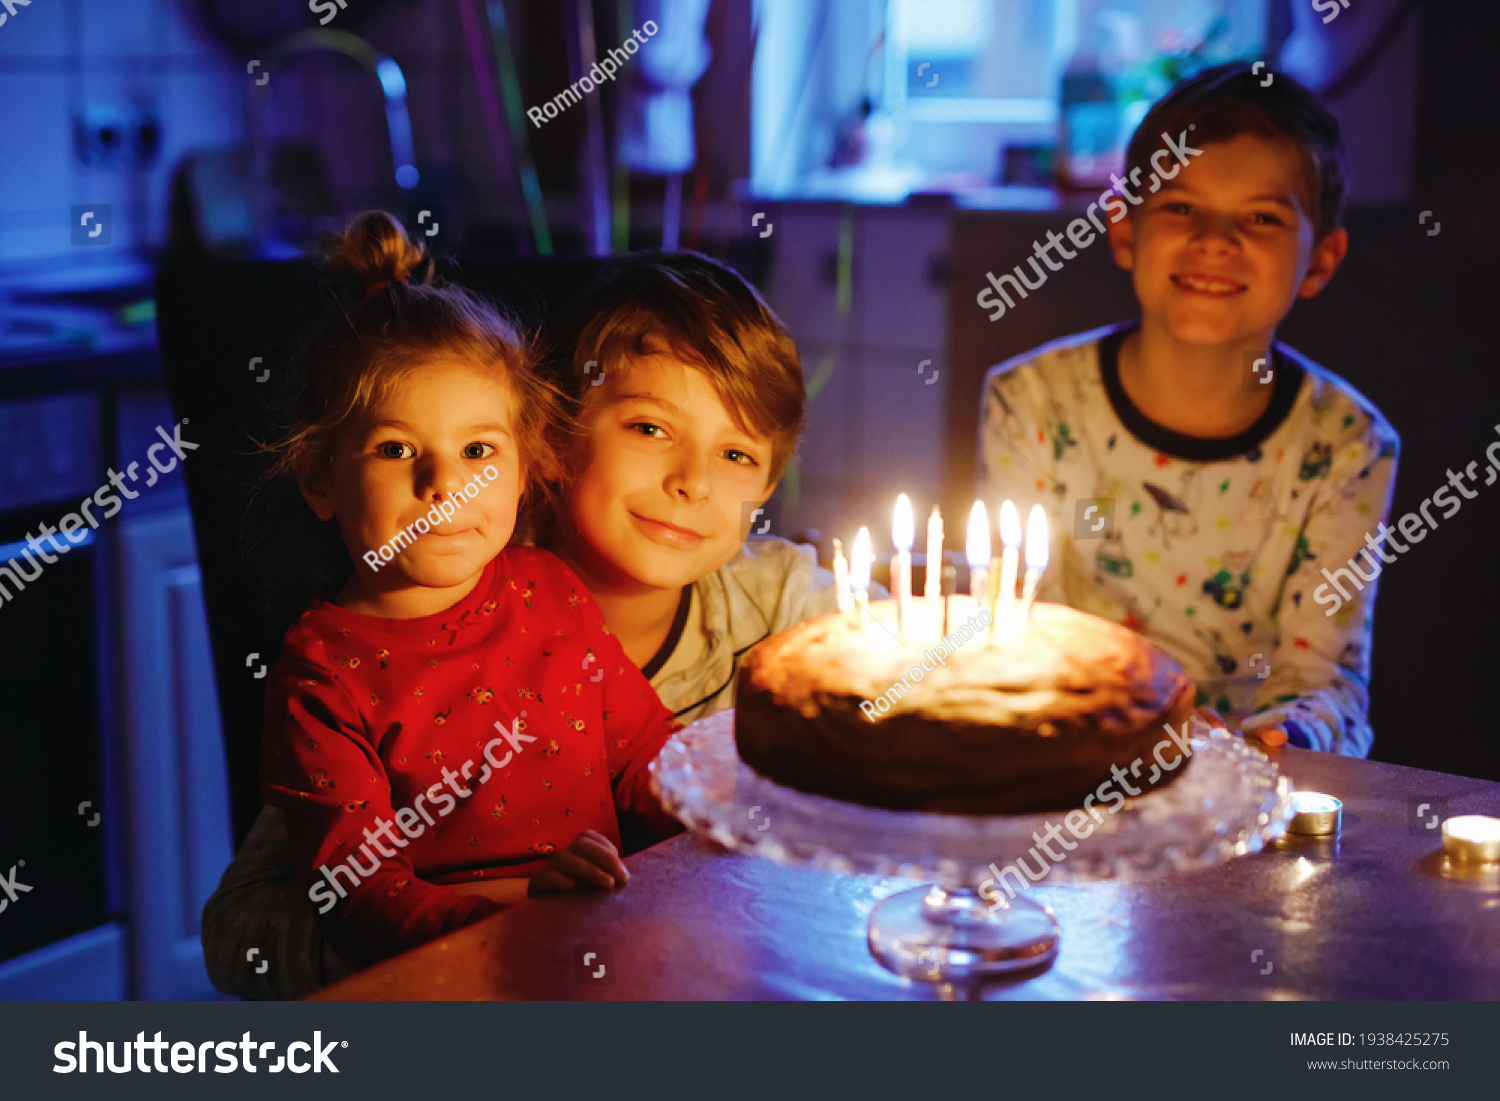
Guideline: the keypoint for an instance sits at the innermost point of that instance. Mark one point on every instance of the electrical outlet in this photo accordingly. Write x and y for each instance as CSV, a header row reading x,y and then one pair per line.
x,y
117,135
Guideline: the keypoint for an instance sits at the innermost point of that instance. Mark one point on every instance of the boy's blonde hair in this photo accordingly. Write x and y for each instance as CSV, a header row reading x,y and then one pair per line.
x,y
708,316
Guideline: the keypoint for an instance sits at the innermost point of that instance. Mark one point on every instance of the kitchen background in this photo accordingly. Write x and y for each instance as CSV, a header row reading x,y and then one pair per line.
x,y
864,189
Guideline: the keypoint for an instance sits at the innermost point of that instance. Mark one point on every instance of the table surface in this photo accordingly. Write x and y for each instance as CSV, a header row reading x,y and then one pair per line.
x,y
1377,914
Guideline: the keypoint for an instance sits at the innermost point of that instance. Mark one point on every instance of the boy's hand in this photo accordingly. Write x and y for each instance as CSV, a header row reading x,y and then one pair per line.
x,y
1266,735
1211,717
1270,735
590,861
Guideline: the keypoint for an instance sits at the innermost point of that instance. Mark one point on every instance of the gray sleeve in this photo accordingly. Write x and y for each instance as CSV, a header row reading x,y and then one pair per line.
x,y
785,578
258,907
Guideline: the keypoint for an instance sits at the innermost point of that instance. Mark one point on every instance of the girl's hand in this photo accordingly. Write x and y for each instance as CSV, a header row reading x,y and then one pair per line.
x,y
509,891
590,861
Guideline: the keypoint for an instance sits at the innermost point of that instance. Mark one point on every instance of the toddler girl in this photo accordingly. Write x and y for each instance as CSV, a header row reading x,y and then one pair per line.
x,y
456,727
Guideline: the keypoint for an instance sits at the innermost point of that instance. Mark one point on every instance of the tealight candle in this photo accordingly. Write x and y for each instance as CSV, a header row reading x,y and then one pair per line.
x,y
1315,813
1010,537
859,575
932,588
841,578
1036,557
1472,839
903,532
977,550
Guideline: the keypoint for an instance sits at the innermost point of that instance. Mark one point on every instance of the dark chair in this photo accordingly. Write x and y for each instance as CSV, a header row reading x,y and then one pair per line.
x,y
222,328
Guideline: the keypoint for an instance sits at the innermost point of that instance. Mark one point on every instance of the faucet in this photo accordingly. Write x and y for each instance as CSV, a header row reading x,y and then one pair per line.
x,y
392,87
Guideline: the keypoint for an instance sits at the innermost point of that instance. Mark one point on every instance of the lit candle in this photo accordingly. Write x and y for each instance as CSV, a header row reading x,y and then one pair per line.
x,y
991,593
859,574
977,550
1315,814
1010,536
841,578
934,585
903,531
1472,839
1036,557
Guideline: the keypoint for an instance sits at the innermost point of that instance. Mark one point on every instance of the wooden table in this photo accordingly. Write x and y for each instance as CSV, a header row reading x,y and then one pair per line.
x,y
1377,914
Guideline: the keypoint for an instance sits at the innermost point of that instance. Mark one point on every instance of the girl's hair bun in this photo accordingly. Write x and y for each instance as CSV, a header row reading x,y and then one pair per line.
x,y
375,252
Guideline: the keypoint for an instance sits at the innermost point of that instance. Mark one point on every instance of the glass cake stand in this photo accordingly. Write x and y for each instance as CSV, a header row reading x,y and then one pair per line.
x,y
1231,800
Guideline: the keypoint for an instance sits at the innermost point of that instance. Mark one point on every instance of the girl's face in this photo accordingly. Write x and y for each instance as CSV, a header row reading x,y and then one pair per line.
x,y
446,430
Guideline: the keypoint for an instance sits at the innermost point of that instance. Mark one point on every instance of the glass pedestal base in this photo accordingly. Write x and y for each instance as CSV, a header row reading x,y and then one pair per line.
x,y
1231,800
937,935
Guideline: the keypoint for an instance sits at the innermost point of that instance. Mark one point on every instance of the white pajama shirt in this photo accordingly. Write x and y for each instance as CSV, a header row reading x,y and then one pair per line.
x,y
1212,548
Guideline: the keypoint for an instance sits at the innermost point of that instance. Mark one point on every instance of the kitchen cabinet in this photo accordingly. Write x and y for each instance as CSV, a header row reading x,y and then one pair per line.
x,y
179,792
876,362
111,689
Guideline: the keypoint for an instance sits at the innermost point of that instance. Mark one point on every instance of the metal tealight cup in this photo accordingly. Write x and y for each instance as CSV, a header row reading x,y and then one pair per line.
x,y
1472,839
1315,814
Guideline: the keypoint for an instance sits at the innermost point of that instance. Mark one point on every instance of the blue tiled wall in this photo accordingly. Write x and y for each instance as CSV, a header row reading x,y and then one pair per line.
x,y
58,57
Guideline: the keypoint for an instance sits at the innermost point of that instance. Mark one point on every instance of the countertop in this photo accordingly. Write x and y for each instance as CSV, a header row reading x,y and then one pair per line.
x,y
1377,914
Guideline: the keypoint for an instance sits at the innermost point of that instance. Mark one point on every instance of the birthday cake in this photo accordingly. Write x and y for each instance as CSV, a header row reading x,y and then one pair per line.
x,y
1033,718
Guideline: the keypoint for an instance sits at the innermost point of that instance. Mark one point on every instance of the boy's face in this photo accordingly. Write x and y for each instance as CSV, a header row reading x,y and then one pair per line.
x,y
436,432
1221,251
660,504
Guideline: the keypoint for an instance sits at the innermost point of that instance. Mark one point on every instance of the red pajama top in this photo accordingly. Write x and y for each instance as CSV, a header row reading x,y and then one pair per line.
x,y
466,745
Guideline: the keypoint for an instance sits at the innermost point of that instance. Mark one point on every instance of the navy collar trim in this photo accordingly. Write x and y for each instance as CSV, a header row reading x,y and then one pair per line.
x,y
1199,449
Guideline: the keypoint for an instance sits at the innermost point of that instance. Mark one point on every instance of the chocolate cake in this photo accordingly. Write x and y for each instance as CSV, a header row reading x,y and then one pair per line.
x,y
1030,721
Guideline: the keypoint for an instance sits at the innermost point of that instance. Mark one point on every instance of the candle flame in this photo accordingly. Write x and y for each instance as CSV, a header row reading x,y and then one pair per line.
x,y
1036,539
978,548
1474,827
904,527
1010,526
859,562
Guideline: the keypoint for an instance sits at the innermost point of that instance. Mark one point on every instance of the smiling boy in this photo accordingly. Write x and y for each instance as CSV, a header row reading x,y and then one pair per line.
x,y
690,395
1197,474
